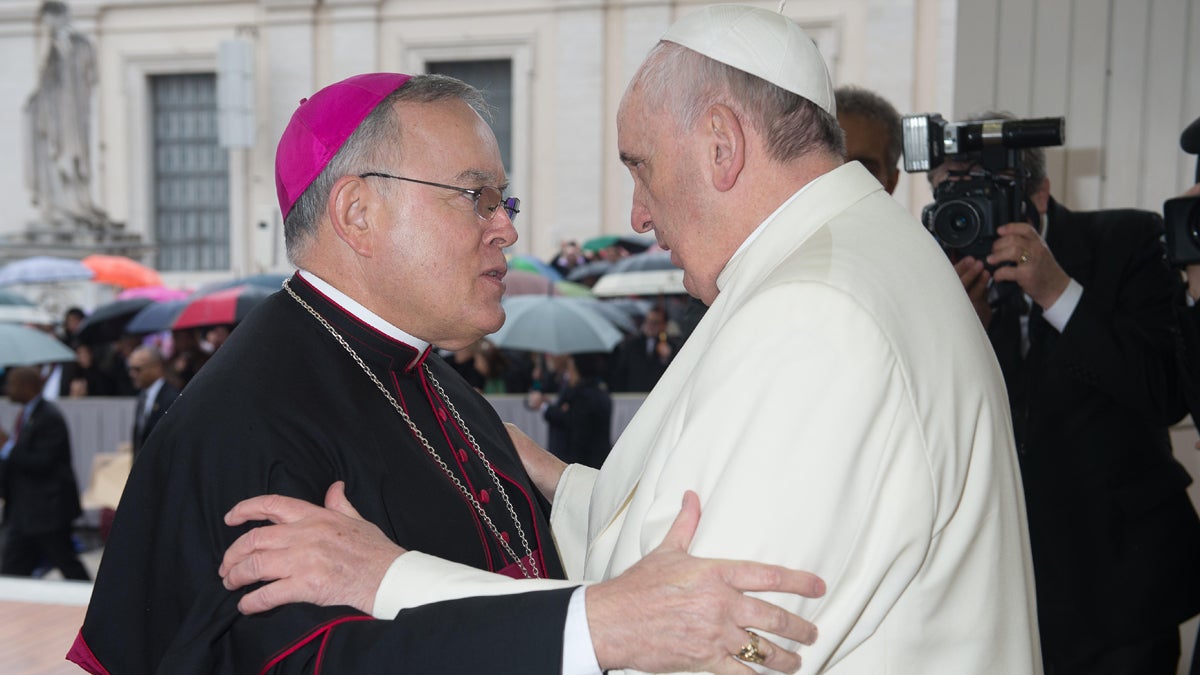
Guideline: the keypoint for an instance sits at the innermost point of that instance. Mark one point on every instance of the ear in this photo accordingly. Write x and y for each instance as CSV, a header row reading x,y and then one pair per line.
x,y
727,146
350,207
1041,196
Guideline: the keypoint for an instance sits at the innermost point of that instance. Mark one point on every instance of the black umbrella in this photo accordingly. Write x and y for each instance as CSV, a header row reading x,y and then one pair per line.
x,y
595,268
107,322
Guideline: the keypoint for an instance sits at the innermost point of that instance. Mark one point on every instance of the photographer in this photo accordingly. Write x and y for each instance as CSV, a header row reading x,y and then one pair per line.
x,y
1086,337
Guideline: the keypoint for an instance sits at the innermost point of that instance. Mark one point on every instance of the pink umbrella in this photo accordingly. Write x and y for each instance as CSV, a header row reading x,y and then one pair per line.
x,y
155,293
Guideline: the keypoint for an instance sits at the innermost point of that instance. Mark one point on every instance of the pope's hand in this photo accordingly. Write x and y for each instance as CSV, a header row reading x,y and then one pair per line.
x,y
327,556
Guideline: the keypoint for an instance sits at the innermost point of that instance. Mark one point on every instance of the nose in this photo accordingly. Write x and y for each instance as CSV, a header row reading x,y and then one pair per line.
x,y
639,218
500,230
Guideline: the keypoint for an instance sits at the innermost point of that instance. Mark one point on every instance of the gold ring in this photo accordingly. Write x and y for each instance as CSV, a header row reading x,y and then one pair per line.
x,y
1024,258
750,653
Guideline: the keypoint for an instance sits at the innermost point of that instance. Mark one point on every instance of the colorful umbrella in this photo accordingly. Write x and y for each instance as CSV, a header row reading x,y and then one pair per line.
x,y
519,282
226,306
41,269
119,270
107,322
528,263
554,324
21,346
155,293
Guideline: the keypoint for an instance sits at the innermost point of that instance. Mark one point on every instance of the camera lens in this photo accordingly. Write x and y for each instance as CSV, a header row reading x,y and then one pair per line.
x,y
957,223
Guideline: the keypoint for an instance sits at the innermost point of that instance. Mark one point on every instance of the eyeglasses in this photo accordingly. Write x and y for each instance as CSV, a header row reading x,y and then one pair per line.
x,y
487,198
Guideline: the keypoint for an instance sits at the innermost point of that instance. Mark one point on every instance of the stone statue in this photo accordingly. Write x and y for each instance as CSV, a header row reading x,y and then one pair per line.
x,y
58,167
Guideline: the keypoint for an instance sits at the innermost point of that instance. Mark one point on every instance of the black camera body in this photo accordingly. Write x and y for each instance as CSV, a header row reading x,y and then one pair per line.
x,y
965,213
1181,215
970,205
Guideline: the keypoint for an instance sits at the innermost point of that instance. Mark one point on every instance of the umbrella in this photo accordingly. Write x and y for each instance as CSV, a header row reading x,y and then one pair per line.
x,y
155,317
548,323
25,314
650,261
595,268
650,273
266,280
21,346
119,270
13,298
528,263
661,282
619,317
43,269
107,322
155,293
520,282
631,244
226,306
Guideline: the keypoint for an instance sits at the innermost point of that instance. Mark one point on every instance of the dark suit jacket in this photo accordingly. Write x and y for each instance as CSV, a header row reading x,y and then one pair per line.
x,y
166,396
580,424
635,369
38,483
1106,499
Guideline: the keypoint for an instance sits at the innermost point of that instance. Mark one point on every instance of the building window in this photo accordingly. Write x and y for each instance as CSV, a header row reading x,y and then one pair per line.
x,y
493,77
191,175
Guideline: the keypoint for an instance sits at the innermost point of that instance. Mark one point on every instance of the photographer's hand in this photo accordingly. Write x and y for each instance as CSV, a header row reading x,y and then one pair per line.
x,y
975,277
1033,265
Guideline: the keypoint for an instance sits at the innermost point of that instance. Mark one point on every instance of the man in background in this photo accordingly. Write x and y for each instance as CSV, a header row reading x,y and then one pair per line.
x,y
873,135
37,483
1087,341
155,393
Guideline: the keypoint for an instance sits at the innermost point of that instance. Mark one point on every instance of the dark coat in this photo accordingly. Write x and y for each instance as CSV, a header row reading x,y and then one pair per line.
x,y
580,424
1106,499
167,394
37,481
283,408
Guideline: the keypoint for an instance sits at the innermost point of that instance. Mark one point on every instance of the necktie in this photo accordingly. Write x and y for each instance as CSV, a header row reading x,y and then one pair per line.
x,y
141,411
17,425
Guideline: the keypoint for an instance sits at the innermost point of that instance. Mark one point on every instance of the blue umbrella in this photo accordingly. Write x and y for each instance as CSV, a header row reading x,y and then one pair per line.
x,y
44,269
155,318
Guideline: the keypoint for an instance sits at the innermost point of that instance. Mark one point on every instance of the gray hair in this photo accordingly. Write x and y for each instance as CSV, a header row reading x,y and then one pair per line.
x,y
687,83
872,107
380,133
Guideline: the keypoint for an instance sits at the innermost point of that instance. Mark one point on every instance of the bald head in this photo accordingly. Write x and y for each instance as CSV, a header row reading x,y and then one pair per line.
x,y
23,384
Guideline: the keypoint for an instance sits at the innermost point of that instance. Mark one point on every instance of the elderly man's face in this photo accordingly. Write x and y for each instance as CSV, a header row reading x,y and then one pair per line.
x,y
439,268
668,194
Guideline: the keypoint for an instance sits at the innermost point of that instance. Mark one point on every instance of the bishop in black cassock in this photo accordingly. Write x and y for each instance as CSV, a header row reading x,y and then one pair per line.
x,y
283,408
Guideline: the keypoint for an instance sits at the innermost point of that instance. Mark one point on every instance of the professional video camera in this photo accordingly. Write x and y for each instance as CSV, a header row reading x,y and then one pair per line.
x,y
1181,215
969,206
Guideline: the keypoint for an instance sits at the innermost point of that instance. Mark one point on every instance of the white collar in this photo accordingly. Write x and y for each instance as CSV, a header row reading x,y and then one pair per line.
x,y
362,313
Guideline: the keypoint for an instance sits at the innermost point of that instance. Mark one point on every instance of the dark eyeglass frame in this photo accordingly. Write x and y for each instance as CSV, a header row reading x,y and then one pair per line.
x,y
512,205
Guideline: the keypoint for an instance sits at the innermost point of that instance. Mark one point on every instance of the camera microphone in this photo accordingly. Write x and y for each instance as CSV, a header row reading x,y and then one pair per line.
x,y
1189,140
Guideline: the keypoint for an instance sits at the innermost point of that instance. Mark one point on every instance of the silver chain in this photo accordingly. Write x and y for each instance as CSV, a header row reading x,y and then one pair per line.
x,y
531,573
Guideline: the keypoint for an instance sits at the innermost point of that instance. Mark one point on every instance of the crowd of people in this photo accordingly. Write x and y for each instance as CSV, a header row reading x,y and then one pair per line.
x,y
933,461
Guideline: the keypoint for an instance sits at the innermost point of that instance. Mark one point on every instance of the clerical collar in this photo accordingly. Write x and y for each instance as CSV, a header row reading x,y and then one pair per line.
x,y
762,226
363,314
